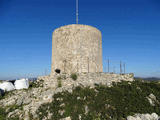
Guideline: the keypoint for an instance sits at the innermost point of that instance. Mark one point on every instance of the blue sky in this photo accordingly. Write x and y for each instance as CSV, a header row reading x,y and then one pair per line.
x,y
130,30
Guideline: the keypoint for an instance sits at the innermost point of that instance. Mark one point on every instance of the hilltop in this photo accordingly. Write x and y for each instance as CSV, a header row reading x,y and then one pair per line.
x,y
83,99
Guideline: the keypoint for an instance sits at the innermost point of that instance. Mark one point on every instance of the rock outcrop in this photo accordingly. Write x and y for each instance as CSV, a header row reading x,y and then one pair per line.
x,y
152,116
27,101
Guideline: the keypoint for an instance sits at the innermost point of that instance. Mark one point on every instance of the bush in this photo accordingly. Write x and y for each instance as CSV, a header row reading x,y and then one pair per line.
x,y
6,110
59,80
74,76
2,114
103,102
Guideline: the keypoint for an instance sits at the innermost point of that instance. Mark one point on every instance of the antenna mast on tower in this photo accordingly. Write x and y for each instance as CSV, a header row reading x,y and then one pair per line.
x,y
77,12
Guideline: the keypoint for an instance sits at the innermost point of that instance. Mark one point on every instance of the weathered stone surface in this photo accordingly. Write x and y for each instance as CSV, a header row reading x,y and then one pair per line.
x,y
20,101
77,48
67,118
85,79
152,99
152,116
13,113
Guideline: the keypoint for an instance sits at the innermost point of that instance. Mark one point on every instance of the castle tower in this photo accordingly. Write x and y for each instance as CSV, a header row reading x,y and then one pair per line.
x,y
76,48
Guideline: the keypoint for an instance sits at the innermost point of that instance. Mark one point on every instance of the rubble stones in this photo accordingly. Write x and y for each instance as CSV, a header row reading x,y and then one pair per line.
x,y
152,99
152,116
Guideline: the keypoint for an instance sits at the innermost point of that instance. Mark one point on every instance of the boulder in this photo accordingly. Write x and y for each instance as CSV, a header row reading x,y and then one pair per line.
x,y
152,116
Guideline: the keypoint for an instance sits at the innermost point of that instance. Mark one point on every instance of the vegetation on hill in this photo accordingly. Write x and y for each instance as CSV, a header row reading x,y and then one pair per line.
x,y
99,103
149,78
5,111
102,102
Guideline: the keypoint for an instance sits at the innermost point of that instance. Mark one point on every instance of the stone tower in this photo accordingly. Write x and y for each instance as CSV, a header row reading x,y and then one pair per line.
x,y
76,48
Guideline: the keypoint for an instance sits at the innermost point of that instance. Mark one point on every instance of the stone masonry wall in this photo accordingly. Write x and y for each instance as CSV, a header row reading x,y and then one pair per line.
x,y
86,79
77,48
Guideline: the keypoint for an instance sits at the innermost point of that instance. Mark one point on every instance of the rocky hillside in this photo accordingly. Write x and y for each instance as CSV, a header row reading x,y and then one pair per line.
x,y
119,100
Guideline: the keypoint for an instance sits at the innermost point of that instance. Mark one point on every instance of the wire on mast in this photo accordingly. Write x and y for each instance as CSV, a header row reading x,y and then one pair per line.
x,y
77,12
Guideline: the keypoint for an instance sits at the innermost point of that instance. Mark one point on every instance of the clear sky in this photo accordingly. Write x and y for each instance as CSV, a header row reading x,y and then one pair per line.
x,y
130,29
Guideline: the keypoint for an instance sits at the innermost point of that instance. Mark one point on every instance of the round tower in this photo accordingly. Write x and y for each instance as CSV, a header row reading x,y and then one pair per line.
x,y
76,48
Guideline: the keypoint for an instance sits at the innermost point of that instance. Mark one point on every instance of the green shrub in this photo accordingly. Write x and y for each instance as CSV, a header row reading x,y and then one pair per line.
x,y
59,80
74,76
2,114
59,83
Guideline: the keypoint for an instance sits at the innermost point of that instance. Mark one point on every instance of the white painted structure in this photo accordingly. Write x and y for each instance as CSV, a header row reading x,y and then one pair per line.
x,y
7,86
21,84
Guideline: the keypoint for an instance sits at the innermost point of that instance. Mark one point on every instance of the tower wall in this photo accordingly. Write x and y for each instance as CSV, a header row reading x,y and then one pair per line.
x,y
77,48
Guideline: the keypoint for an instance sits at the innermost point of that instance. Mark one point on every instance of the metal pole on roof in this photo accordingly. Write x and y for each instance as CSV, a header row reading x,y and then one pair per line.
x,y
77,12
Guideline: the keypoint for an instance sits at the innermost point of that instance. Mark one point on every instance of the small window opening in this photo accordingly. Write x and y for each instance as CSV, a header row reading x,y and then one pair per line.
x,y
58,71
